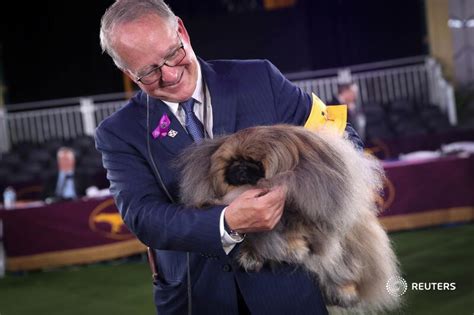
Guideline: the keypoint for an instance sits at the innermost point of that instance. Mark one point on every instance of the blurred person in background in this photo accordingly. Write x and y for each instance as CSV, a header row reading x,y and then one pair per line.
x,y
184,99
65,183
347,93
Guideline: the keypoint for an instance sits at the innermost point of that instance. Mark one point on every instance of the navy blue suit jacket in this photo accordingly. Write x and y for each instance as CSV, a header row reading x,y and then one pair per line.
x,y
243,94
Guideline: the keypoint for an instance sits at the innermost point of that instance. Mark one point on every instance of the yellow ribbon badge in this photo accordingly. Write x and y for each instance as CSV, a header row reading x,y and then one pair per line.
x,y
330,117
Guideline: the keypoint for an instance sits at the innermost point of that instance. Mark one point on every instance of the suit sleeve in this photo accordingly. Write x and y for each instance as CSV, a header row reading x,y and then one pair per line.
x,y
49,187
293,106
145,208
354,137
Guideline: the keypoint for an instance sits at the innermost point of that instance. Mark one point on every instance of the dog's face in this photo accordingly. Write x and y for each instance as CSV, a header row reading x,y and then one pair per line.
x,y
251,155
241,175
244,172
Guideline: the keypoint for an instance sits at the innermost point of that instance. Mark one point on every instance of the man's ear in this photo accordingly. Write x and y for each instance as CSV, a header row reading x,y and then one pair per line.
x,y
182,30
131,76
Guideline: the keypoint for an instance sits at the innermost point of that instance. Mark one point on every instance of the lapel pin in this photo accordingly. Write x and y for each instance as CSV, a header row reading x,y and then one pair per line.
x,y
163,127
172,133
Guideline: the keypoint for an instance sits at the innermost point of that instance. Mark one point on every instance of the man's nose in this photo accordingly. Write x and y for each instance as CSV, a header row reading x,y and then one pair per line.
x,y
169,74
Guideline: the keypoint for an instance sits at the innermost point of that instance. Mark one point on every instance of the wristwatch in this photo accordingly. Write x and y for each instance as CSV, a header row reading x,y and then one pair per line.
x,y
236,236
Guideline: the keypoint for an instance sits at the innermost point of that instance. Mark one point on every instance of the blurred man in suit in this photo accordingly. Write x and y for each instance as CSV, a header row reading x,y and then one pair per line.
x,y
347,93
65,184
184,99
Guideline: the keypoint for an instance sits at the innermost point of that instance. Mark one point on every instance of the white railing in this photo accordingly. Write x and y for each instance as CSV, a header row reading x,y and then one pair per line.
x,y
422,83
105,109
325,88
441,92
4,135
40,125
384,86
419,79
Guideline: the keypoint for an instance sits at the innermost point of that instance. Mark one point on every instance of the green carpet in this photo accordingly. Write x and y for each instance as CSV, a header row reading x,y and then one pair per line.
x,y
434,255
438,255
96,289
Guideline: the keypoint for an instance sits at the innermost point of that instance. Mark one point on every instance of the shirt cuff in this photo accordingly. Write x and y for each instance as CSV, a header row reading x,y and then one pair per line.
x,y
228,243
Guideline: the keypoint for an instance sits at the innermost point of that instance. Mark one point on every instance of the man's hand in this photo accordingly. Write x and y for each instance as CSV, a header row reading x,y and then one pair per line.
x,y
256,210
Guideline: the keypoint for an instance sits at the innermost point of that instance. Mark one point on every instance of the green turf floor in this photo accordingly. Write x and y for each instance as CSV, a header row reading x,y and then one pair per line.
x,y
438,255
434,255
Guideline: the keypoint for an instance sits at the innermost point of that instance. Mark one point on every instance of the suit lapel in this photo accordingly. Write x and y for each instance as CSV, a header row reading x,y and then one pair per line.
x,y
175,144
223,99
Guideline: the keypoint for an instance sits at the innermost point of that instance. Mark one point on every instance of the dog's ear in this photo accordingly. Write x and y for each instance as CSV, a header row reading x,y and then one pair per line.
x,y
244,172
194,165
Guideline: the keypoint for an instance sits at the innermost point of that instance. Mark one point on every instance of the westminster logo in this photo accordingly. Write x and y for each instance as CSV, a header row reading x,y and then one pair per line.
x,y
106,220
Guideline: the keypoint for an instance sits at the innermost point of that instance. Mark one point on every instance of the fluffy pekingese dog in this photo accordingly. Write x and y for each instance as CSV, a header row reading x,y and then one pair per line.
x,y
329,225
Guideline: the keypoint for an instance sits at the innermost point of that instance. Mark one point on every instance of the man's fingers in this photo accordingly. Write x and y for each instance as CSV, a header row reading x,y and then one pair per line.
x,y
262,193
275,195
257,209
254,193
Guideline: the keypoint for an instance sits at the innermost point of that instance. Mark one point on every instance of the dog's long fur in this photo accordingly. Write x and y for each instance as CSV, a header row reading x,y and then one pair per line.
x,y
329,224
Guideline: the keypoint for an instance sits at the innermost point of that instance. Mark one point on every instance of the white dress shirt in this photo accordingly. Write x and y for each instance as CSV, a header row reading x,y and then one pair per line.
x,y
65,185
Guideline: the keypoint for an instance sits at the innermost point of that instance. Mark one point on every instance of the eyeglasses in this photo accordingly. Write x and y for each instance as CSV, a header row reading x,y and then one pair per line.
x,y
172,60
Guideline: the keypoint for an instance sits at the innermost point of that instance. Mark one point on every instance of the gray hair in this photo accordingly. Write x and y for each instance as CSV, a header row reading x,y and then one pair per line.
x,y
64,150
123,11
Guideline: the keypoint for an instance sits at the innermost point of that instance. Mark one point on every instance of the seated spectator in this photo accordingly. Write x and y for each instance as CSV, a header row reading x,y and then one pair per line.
x,y
347,94
65,184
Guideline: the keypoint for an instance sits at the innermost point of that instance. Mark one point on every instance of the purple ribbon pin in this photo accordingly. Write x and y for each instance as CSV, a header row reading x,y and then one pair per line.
x,y
163,127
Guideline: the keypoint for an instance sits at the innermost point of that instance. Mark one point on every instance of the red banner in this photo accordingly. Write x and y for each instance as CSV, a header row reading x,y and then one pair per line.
x,y
79,231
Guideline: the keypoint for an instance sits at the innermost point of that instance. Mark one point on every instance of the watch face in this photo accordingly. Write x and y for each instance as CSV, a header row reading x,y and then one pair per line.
x,y
237,236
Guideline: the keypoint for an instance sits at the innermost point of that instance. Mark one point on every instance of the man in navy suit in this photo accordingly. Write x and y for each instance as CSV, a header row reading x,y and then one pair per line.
x,y
194,248
66,183
347,93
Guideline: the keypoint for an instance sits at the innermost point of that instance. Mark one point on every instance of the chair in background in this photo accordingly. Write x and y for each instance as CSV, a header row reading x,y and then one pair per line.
x,y
377,125
434,120
53,145
40,156
11,160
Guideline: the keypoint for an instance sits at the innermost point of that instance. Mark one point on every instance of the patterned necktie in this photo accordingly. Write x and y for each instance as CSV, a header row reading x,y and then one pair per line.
x,y
193,125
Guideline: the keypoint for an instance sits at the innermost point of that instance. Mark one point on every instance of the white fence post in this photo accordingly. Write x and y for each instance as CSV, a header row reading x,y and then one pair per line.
x,y
430,65
451,103
441,92
4,138
87,111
